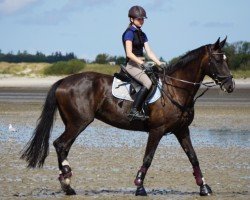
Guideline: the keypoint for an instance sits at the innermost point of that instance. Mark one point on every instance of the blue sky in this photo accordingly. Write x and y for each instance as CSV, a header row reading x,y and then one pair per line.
x,y
90,27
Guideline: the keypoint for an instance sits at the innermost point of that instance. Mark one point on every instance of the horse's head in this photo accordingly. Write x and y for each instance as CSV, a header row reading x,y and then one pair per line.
x,y
217,66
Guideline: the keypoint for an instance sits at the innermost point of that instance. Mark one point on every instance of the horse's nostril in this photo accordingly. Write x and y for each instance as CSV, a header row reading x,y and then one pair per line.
x,y
230,88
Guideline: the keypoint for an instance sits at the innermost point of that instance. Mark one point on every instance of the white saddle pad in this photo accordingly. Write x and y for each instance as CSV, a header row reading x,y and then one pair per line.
x,y
122,91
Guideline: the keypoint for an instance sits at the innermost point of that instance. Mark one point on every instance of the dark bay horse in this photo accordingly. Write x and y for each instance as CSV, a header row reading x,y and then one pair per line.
x,y
82,97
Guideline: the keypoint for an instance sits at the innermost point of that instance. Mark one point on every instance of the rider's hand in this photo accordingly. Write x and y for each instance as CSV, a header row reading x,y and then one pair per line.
x,y
146,66
162,66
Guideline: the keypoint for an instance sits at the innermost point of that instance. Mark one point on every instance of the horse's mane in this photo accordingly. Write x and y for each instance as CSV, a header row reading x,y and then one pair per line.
x,y
185,59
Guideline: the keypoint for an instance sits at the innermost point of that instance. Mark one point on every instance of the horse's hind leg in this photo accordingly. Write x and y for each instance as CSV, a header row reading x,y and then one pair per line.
x,y
185,141
62,146
153,141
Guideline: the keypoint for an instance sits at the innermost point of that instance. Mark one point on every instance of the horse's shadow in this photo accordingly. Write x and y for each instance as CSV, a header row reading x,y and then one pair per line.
x,y
152,192
45,192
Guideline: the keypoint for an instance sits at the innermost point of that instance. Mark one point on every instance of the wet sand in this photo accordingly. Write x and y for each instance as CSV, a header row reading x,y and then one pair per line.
x,y
105,169
108,173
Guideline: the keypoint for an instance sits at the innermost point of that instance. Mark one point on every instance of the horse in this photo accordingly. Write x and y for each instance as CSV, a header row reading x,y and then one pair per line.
x,y
80,98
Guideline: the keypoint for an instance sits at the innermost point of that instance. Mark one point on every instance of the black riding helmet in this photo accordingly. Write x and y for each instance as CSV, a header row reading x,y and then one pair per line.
x,y
137,12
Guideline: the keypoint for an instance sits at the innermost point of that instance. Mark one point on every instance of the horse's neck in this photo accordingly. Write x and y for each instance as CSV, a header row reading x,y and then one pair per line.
x,y
184,92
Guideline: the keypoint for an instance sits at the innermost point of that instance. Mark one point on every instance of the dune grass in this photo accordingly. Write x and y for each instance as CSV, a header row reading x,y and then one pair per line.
x,y
23,69
241,73
102,68
37,69
40,69
65,67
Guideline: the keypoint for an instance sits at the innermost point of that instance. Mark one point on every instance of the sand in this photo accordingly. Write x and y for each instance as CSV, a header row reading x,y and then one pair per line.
x,y
107,172
39,81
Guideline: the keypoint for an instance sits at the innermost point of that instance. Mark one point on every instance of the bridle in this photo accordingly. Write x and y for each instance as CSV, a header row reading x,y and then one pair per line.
x,y
218,80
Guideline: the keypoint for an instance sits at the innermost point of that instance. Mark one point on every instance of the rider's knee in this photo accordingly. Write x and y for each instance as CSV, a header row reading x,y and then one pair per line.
x,y
148,84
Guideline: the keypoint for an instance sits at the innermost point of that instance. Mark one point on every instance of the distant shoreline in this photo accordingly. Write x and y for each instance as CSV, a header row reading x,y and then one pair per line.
x,y
10,81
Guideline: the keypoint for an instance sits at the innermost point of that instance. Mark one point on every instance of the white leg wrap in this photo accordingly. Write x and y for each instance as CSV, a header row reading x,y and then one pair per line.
x,y
203,179
65,162
67,181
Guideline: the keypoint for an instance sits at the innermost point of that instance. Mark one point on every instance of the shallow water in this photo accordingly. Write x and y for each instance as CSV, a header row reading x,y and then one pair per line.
x,y
101,135
106,159
221,120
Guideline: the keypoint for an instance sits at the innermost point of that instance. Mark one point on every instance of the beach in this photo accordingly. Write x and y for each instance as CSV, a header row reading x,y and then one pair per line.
x,y
105,160
47,81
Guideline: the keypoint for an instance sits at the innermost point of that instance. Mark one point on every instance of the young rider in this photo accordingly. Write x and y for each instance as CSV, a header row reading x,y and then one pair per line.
x,y
134,40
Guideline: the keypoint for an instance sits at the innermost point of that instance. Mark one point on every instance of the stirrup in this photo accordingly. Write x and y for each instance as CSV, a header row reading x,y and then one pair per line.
x,y
137,116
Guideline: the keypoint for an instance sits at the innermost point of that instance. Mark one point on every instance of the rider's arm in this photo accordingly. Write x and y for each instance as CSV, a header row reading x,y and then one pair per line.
x,y
151,54
129,53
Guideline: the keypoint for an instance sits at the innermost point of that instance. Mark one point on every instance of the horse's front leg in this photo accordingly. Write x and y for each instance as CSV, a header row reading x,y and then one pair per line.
x,y
185,141
153,141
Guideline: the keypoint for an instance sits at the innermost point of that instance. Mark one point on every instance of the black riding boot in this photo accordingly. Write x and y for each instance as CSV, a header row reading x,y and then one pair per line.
x,y
134,113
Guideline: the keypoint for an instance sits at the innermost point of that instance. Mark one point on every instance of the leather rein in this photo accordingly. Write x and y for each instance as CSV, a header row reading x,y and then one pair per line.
x,y
218,80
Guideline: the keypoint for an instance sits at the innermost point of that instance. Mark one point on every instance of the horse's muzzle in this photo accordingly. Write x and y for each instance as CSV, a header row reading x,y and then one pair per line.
x,y
228,85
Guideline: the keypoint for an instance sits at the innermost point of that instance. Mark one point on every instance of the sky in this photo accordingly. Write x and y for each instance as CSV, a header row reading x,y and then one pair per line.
x,y
90,27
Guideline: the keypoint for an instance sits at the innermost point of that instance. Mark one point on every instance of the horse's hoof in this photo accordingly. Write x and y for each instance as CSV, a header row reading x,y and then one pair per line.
x,y
140,191
205,190
70,191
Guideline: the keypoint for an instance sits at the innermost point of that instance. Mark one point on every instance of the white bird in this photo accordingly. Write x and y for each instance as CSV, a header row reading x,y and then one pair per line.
x,y
11,128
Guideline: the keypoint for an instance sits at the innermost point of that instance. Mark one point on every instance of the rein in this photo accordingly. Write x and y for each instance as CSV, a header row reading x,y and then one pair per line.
x,y
208,85
218,80
181,107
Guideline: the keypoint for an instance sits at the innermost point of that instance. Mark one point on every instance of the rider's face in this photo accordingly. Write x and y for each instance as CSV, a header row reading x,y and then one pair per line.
x,y
138,21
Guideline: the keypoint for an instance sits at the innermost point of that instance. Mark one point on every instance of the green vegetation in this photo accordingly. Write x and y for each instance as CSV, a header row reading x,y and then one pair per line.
x,y
102,68
238,55
31,69
241,73
65,67
104,58
38,57
23,69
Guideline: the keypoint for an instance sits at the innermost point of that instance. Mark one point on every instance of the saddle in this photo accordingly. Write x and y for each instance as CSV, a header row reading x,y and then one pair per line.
x,y
134,86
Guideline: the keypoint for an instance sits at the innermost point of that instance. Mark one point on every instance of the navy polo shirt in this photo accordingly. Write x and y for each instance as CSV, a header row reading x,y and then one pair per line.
x,y
138,39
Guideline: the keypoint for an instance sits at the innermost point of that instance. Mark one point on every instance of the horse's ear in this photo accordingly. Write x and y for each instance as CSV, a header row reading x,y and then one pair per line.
x,y
216,45
222,43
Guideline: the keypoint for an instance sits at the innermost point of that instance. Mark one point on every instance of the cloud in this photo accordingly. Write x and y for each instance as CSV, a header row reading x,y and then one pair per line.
x,y
160,5
219,24
194,23
52,17
63,14
211,24
79,5
8,7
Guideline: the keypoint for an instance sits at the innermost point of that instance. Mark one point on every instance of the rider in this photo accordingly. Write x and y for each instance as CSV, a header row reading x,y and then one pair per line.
x,y
134,40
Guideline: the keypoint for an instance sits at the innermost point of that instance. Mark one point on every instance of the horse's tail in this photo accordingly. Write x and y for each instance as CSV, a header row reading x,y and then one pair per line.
x,y
37,149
